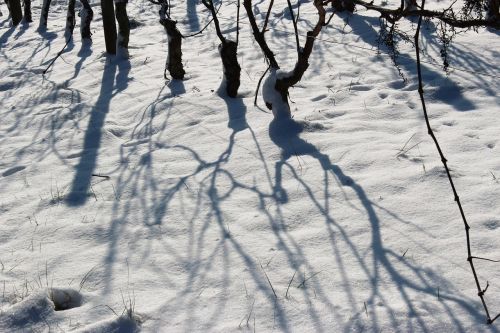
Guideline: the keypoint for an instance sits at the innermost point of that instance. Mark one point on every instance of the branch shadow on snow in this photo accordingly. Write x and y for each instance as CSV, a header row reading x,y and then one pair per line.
x,y
192,15
285,134
204,194
438,86
81,184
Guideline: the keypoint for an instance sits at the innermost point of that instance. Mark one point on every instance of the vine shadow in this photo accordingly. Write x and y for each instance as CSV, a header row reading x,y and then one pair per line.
x,y
80,186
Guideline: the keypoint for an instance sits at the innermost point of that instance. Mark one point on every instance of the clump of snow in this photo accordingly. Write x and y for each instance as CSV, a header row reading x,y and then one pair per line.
x,y
26,315
121,324
272,97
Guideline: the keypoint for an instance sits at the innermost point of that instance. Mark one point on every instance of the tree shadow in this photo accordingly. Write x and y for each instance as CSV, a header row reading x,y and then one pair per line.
x,y
192,15
440,87
384,262
6,35
81,184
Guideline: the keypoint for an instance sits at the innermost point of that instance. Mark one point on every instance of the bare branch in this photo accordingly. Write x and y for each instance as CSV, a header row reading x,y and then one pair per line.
x,y
445,161
259,36
447,16
294,26
267,16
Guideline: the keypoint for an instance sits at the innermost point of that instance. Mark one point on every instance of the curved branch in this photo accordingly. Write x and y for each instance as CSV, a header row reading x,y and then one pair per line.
x,y
393,15
259,36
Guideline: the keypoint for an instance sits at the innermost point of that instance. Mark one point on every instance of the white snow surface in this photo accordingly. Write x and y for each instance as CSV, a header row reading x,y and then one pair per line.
x,y
167,207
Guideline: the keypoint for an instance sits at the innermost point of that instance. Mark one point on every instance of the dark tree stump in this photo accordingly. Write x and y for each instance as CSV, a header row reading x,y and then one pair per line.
x,y
493,12
175,67
109,24
44,15
70,20
123,24
228,53
86,16
15,11
27,11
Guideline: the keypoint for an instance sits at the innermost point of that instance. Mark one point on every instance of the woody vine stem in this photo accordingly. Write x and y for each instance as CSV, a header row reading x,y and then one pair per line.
x,y
470,258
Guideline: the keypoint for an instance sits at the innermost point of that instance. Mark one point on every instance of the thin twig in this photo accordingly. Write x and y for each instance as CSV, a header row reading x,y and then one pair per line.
x,y
258,86
294,26
289,284
58,55
267,16
269,281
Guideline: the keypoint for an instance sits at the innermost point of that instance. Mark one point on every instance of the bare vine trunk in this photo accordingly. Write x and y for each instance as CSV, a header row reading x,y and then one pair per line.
x,y
493,12
109,25
175,66
284,83
228,51
70,20
44,15
174,60
15,11
86,16
123,26
232,70
27,11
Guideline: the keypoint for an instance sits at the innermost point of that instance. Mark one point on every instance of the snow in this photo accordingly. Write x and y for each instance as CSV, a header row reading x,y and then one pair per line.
x,y
167,207
272,97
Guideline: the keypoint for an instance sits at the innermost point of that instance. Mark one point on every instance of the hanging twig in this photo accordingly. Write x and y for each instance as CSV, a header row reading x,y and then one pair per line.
x,y
294,26
206,26
238,23
258,86
259,35
267,16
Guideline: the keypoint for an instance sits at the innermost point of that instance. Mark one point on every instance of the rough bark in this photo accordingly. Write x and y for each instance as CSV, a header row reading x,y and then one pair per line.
x,y
86,16
109,24
70,20
123,24
175,67
44,15
259,35
493,13
27,11
15,11
228,53
174,59
284,84
394,15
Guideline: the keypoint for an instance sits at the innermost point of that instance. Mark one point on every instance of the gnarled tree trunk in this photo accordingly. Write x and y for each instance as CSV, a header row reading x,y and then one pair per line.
x,y
284,83
123,27
493,12
108,22
70,20
86,16
27,11
15,10
228,53
174,60
44,15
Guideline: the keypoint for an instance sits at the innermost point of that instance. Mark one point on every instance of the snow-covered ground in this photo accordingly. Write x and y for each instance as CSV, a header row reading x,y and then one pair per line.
x,y
123,196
